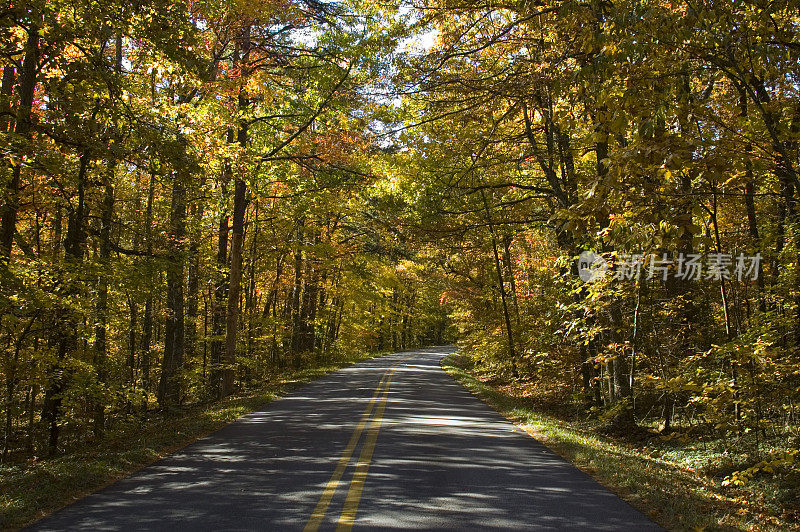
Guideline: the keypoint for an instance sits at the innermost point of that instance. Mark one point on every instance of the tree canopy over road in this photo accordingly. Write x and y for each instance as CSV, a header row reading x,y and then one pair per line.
x,y
199,195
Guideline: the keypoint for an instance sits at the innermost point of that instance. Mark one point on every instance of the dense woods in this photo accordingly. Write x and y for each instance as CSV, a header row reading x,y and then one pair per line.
x,y
197,195
655,135
190,204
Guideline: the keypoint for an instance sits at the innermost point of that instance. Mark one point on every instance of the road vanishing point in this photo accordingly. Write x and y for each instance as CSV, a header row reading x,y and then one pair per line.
x,y
392,443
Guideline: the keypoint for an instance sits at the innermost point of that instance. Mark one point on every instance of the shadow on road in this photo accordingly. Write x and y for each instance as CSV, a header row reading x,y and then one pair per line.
x,y
443,460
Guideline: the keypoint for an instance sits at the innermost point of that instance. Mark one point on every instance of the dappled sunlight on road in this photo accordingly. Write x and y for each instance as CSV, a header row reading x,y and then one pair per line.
x,y
442,460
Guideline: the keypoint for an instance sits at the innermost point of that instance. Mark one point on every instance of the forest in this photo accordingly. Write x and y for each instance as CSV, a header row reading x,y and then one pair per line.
x,y
200,195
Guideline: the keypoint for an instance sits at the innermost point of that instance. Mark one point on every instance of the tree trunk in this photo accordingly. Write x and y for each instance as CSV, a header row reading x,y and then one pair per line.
x,y
106,216
309,307
499,270
6,89
250,299
100,343
67,328
10,206
297,288
147,319
133,309
237,236
169,387
193,283
271,307
239,206
220,291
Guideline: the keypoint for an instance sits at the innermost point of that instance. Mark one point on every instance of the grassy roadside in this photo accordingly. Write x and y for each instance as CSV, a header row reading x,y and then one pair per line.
x,y
32,489
672,492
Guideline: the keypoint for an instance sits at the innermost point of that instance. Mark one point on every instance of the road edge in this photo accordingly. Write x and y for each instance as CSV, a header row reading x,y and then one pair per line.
x,y
463,378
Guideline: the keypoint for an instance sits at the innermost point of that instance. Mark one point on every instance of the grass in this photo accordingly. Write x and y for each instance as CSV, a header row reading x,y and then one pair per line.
x,y
667,481
34,488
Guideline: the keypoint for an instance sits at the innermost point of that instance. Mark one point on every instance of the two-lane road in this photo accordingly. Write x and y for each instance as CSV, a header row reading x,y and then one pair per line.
x,y
390,443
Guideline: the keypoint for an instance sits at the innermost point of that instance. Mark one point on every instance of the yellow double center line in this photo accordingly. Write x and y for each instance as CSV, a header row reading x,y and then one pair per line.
x,y
347,518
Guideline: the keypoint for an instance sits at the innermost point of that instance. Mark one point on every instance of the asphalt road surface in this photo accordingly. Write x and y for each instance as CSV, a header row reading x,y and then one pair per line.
x,y
390,443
